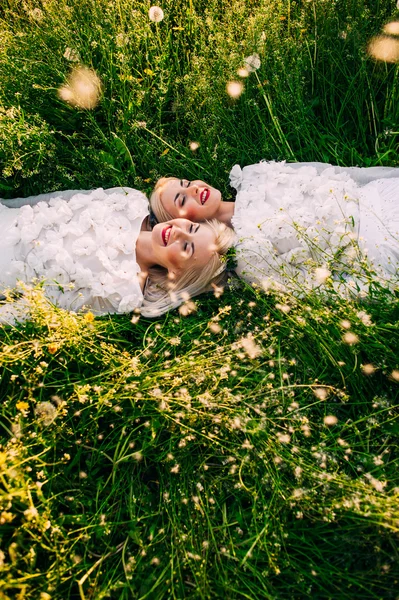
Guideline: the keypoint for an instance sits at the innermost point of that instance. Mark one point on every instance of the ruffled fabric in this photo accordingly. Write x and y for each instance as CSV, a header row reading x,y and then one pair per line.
x,y
296,222
83,247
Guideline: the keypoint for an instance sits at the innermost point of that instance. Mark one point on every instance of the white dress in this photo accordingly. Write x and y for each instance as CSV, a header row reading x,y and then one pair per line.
x,y
297,223
81,243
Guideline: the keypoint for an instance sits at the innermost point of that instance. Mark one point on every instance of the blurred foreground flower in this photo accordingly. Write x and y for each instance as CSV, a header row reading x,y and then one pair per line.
x,y
83,88
46,413
392,28
252,63
384,48
156,14
234,89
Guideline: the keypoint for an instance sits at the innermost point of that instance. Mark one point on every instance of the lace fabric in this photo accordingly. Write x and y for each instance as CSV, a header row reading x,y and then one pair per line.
x,y
293,220
84,247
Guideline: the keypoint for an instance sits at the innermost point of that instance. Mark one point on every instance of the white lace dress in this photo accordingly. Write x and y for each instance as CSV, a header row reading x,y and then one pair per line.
x,y
81,243
299,224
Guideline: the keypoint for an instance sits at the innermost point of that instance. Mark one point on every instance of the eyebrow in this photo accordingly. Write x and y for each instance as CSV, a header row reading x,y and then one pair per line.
x,y
178,193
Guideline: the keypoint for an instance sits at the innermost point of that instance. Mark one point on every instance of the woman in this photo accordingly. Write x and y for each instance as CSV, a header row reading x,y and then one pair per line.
x,y
301,225
95,251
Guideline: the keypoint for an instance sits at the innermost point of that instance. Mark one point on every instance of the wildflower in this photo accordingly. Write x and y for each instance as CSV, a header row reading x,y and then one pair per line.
x,y
71,55
321,275
22,405
175,469
330,420
175,341
2,557
82,475
247,445
83,88
395,375
187,308
345,324
155,561
285,308
122,40
194,146
384,48
36,14
242,72
46,413
234,89
252,63
251,348
283,438
89,317
320,392
215,327
52,348
368,369
31,513
350,338
156,14
377,485
364,318
137,456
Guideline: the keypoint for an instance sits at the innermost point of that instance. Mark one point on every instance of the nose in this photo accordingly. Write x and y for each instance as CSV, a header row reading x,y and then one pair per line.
x,y
192,190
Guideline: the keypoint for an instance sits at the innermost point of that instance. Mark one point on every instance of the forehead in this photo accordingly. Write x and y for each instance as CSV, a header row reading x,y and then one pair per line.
x,y
205,246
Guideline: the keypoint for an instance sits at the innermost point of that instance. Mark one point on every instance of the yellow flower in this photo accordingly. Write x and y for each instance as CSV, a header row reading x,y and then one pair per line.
x,y
22,405
89,317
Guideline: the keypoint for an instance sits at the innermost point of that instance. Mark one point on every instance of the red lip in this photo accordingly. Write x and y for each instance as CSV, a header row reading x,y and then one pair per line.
x,y
207,193
164,230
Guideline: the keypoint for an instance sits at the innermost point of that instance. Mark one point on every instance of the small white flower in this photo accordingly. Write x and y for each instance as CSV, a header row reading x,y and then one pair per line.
x,y
252,63
156,14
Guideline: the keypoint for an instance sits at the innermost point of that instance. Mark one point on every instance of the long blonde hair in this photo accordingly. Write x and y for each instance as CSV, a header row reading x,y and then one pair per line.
x,y
157,207
162,294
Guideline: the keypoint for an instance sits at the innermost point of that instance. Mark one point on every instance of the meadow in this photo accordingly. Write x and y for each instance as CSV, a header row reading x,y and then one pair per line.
x,y
246,445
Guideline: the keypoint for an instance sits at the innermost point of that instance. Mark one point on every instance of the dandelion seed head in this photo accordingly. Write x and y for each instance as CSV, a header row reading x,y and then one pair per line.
x,y
368,369
242,72
321,393
395,374
82,89
384,48
350,338
252,63
156,14
392,28
283,438
345,324
46,413
234,89
330,420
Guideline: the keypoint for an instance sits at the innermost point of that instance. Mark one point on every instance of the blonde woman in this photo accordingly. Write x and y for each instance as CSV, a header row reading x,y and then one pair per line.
x,y
96,251
299,225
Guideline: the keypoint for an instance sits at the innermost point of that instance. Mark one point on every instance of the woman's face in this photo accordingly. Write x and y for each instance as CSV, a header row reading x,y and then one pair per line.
x,y
180,244
194,200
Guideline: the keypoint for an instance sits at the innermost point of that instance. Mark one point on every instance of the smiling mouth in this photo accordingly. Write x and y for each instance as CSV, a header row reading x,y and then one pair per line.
x,y
204,195
166,231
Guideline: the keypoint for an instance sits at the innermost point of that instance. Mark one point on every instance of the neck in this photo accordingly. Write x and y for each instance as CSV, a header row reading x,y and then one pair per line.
x,y
225,213
144,251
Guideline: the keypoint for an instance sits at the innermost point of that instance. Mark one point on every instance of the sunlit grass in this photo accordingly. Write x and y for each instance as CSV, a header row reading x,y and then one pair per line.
x,y
244,446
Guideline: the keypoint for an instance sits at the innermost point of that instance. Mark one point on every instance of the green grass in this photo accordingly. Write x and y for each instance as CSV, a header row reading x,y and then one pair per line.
x,y
191,457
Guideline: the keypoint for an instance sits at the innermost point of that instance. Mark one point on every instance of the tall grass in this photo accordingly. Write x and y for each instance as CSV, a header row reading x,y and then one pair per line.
x,y
248,449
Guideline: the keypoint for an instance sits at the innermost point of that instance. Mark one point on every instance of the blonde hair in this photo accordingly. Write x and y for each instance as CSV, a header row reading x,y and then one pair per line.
x,y
162,294
157,207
